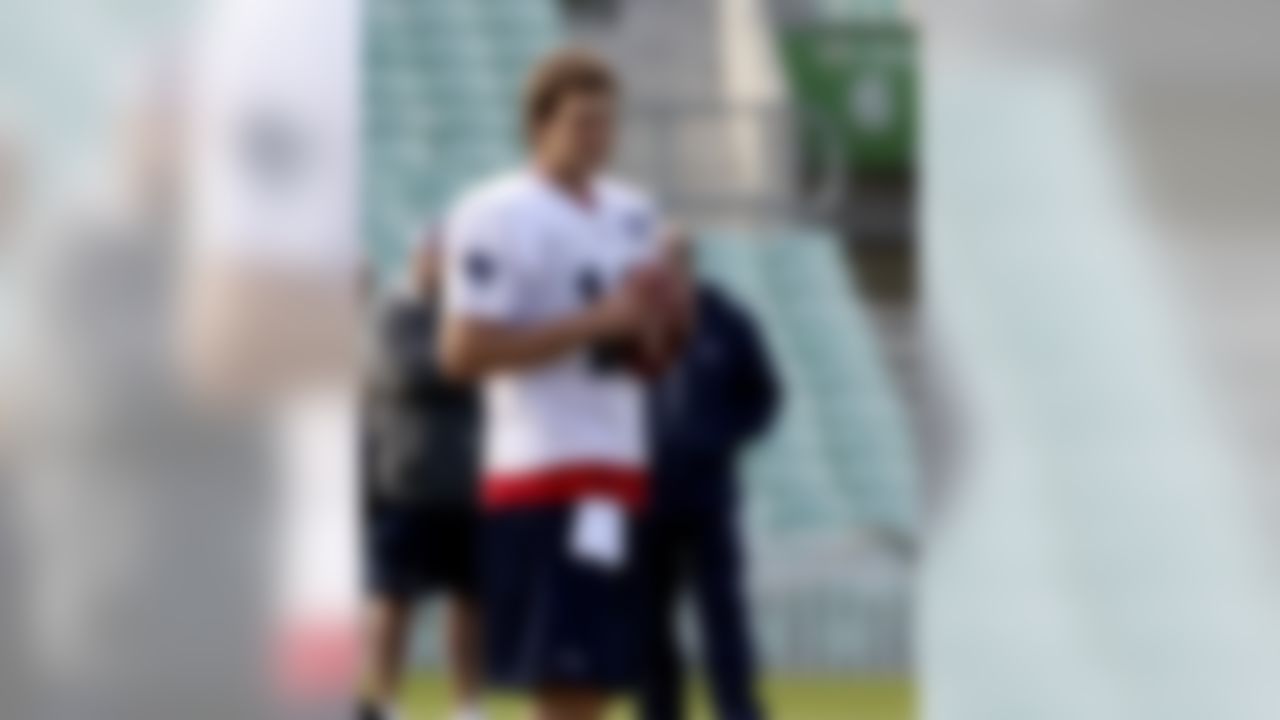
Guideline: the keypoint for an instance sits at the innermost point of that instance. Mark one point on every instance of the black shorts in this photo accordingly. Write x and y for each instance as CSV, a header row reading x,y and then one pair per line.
x,y
411,551
551,620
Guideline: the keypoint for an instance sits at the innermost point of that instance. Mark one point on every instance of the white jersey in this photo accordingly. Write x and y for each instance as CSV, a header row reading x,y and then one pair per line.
x,y
523,251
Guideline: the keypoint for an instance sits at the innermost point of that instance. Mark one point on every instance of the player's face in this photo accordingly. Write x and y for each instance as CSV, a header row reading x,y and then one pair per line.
x,y
582,130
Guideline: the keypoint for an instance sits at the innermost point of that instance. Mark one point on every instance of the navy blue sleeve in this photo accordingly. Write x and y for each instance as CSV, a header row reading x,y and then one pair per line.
x,y
757,391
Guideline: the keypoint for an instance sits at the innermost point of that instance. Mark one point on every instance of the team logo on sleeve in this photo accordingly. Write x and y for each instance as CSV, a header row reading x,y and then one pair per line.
x,y
480,267
273,149
590,285
638,225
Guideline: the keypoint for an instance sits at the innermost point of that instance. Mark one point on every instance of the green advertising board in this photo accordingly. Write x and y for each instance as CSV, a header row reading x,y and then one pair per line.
x,y
860,80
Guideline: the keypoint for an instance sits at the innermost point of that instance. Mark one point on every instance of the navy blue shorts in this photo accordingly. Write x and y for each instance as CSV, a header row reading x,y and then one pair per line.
x,y
550,620
411,551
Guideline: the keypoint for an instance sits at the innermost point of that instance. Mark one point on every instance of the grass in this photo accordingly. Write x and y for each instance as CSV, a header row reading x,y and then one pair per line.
x,y
798,698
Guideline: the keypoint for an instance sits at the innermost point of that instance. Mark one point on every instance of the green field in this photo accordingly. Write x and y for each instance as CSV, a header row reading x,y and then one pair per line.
x,y
788,699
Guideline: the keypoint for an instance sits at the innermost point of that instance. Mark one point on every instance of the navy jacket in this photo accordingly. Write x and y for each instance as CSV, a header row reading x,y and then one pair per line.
x,y
721,393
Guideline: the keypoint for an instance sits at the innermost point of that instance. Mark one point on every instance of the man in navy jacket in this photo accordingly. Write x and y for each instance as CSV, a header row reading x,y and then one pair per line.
x,y
721,394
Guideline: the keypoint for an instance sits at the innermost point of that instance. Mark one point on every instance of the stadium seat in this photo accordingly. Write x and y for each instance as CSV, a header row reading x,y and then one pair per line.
x,y
444,75
841,454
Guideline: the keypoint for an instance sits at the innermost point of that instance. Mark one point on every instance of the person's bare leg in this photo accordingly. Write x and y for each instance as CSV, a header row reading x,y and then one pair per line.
x,y
463,647
387,626
570,704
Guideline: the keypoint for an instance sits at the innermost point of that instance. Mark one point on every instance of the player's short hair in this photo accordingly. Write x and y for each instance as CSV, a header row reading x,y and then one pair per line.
x,y
560,75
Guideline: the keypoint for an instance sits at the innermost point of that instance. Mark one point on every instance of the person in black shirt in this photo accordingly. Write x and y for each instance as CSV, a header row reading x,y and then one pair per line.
x,y
420,460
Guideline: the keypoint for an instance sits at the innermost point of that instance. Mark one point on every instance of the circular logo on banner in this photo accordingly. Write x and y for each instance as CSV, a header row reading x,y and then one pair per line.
x,y
273,150
871,102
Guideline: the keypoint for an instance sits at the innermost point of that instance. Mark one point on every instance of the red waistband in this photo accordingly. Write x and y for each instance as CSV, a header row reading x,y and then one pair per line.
x,y
565,484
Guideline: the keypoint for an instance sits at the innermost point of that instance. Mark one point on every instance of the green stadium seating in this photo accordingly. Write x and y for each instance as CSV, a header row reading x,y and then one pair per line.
x,y
442,78
840,456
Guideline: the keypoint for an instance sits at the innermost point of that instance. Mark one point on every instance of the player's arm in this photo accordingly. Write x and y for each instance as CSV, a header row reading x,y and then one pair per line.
x,y
473,347
488,282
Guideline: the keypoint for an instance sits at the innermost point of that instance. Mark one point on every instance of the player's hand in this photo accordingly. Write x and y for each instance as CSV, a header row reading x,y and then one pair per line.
x,y
668,292
622,314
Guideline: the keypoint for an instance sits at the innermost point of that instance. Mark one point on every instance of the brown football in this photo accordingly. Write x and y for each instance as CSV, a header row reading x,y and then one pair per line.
x,y
667,290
